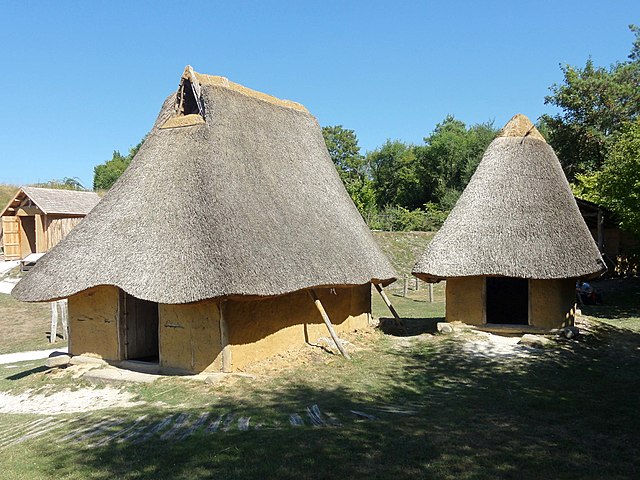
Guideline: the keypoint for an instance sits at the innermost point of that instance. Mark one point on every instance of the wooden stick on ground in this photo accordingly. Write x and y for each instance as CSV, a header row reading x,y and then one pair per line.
x,y
327,322
396,317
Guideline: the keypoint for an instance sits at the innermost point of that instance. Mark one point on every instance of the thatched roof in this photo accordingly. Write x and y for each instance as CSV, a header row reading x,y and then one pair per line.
x,y
244,203
56,201
517,218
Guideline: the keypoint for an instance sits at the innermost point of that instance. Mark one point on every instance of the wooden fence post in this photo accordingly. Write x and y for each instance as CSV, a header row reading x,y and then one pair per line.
x,y
404,286
64,316
54,322
431,292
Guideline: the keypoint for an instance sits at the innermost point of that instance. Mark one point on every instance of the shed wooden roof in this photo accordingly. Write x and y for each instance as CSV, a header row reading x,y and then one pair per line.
x,y
56,201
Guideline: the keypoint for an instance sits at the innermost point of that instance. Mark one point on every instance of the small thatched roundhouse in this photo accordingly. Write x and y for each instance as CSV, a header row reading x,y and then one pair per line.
x,y
514,245
36,219
201,256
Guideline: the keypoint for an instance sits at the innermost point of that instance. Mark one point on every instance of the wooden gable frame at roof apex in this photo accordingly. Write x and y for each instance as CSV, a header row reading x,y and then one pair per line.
x,y
189,76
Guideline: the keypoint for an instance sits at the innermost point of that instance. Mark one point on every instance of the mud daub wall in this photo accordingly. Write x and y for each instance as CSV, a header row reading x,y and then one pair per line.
x,y
189,334
465,300
93,322
257,330
551,302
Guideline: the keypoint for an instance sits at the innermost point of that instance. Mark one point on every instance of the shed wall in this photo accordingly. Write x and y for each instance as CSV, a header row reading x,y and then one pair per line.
x,y
93,322
58,227
465,300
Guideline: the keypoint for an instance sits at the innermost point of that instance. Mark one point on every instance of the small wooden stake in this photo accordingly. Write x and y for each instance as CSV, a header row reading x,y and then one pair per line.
x,y
327,322
431,292
404,286
224,339
417,284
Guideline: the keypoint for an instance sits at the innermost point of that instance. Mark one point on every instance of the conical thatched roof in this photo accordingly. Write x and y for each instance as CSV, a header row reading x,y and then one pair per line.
x,y
242,202
516,218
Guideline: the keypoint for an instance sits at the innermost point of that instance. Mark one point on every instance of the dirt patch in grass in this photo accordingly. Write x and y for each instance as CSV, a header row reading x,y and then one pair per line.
x,y
66,401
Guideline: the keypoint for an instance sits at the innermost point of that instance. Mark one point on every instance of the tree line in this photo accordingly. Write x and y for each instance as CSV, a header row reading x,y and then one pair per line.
x,y
400,186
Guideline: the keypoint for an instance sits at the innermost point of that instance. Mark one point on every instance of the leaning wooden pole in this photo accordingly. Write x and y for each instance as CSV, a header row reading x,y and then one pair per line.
x,y
327,322
388,303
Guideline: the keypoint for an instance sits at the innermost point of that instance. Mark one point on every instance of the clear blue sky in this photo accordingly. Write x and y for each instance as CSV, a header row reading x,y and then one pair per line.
x,y
81,79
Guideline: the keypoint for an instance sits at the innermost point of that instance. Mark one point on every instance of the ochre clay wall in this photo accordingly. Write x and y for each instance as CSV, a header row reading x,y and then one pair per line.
x,y
465,300
258,329
190,336
552,303
93,322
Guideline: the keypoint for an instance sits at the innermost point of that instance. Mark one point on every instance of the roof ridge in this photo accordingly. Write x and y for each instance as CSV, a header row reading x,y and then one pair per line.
x,y
219,81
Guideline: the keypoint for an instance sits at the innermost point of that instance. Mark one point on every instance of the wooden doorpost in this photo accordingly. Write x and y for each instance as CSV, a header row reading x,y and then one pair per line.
x,y
224,339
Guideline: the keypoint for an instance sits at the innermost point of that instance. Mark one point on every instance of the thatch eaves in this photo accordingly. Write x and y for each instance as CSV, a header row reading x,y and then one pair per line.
x,y
244,202
516,218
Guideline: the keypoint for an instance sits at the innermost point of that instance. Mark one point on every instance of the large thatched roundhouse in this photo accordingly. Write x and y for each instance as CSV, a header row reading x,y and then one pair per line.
x,y
514,245
201,256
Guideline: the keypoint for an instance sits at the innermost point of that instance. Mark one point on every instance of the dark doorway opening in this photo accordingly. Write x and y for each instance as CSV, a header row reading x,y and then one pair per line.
x,y
507,300
140,329
28,225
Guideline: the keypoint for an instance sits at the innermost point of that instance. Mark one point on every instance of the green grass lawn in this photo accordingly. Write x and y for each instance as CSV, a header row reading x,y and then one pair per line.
x,y
440,411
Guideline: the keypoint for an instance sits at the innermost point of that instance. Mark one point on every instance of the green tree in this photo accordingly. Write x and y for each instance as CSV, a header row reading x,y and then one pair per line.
x,y
449,158
343,148
617,185
106,174
395,179
595,103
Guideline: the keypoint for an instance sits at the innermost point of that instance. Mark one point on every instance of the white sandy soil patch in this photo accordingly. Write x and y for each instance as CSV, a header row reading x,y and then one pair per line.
x,y
66,401
493,346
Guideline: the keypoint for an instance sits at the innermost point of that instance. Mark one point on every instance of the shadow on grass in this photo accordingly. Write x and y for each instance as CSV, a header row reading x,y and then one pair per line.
x,y
621,299
26,373
412,326
565,412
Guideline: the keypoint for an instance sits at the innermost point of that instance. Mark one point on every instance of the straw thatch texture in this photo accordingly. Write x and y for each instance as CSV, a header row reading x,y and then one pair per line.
x,y
62,202
248,203
517,218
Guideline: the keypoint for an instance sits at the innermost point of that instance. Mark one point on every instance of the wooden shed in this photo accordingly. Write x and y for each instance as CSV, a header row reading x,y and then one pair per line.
x,y
515,243
36,219
229,238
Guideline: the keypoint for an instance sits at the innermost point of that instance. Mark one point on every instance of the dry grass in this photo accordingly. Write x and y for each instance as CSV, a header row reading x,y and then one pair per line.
x,y
6,193
24,326
403,248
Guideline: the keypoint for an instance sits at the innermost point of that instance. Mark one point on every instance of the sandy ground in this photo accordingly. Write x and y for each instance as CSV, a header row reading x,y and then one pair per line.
x,y
27,356
8,265
66,401
7,285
